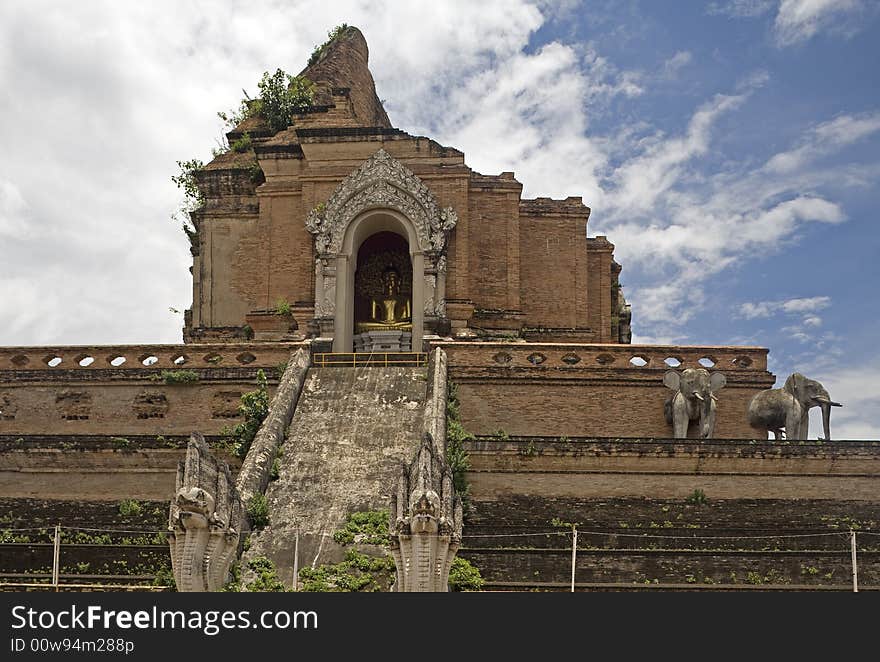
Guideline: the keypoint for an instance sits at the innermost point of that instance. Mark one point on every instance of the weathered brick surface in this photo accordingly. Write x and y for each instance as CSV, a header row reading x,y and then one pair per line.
x,y
344,64
593,390
131,398
93,467
519,262
672,512
588,468
670,567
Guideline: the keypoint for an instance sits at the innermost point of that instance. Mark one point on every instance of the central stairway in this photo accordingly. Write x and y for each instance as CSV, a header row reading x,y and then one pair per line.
x,y
353,429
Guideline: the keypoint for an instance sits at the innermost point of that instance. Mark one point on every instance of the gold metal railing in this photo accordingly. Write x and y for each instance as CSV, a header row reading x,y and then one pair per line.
x,y
338,359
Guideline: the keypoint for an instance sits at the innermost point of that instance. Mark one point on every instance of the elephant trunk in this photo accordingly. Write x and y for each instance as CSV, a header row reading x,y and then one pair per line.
x,y
705,415
826,419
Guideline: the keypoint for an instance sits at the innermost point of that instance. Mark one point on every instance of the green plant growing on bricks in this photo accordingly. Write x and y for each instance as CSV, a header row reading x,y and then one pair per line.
x,y
254,408
283,307
332,35
456,455
697,497
193,198
172,377
359,572
130,508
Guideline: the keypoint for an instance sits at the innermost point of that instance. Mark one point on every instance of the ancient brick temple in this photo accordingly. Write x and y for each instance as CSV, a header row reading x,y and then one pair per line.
x,y
346,196
366,271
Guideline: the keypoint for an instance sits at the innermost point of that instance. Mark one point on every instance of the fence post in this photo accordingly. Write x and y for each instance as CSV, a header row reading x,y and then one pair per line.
x,y
56,556
296,562
574,546
855,567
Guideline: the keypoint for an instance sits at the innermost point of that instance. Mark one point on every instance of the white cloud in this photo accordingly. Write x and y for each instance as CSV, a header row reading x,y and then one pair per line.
x,y
806,305
741,8
756,309
141,84
670,216
13,210
855,387
676,63
825,138
798,20
642,179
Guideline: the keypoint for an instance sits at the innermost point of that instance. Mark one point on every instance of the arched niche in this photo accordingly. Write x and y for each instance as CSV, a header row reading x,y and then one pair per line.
x,y
382,195
369,224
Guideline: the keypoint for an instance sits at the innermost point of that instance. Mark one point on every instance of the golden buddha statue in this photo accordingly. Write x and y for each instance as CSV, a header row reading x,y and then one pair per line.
x,y
389,311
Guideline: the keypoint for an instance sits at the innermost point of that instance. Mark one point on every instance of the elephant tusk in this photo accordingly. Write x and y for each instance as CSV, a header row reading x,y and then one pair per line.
x,y
698,396
824,401
714,398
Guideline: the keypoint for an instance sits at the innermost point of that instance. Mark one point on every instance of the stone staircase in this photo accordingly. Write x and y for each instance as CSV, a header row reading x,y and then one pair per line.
x,y
352,430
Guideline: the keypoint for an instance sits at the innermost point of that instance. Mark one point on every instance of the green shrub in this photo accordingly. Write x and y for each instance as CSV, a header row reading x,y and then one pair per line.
x,y
130,508
368,527
267,580
283,307
177,377
186,180
357,573
456,456
258,511
254,407
282,95
697,497
464,576
331,37
243,144
164,577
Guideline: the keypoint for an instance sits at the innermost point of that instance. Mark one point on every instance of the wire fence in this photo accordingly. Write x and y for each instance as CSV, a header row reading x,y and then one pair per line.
x,y
581,543
24,547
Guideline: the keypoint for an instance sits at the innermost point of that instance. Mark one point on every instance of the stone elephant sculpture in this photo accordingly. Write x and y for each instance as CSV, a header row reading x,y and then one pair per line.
x,y
693,399
789,407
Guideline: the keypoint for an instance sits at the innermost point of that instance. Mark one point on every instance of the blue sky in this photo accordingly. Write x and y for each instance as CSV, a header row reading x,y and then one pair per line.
x,y
729,149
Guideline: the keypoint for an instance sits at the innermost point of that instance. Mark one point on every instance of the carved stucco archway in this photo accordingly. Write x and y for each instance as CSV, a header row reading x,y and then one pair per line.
x,y
382,194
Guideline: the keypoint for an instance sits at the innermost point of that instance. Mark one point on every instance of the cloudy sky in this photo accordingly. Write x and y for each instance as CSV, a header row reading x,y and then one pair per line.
x,y
730,150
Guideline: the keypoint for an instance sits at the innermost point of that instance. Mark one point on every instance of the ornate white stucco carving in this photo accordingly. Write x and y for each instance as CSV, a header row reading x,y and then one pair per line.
x,y
205,520
425,522
381,182
430,287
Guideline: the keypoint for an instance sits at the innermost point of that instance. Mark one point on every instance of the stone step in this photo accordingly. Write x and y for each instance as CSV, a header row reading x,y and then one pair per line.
x,y
352,430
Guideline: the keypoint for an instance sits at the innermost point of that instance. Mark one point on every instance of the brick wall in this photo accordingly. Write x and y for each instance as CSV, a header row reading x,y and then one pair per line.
x,y
593,390
108,396
664,469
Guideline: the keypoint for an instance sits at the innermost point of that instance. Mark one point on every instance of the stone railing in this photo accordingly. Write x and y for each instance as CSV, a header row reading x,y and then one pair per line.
x,y
253,478
208,514
604,356
138,357
426,517
435,403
